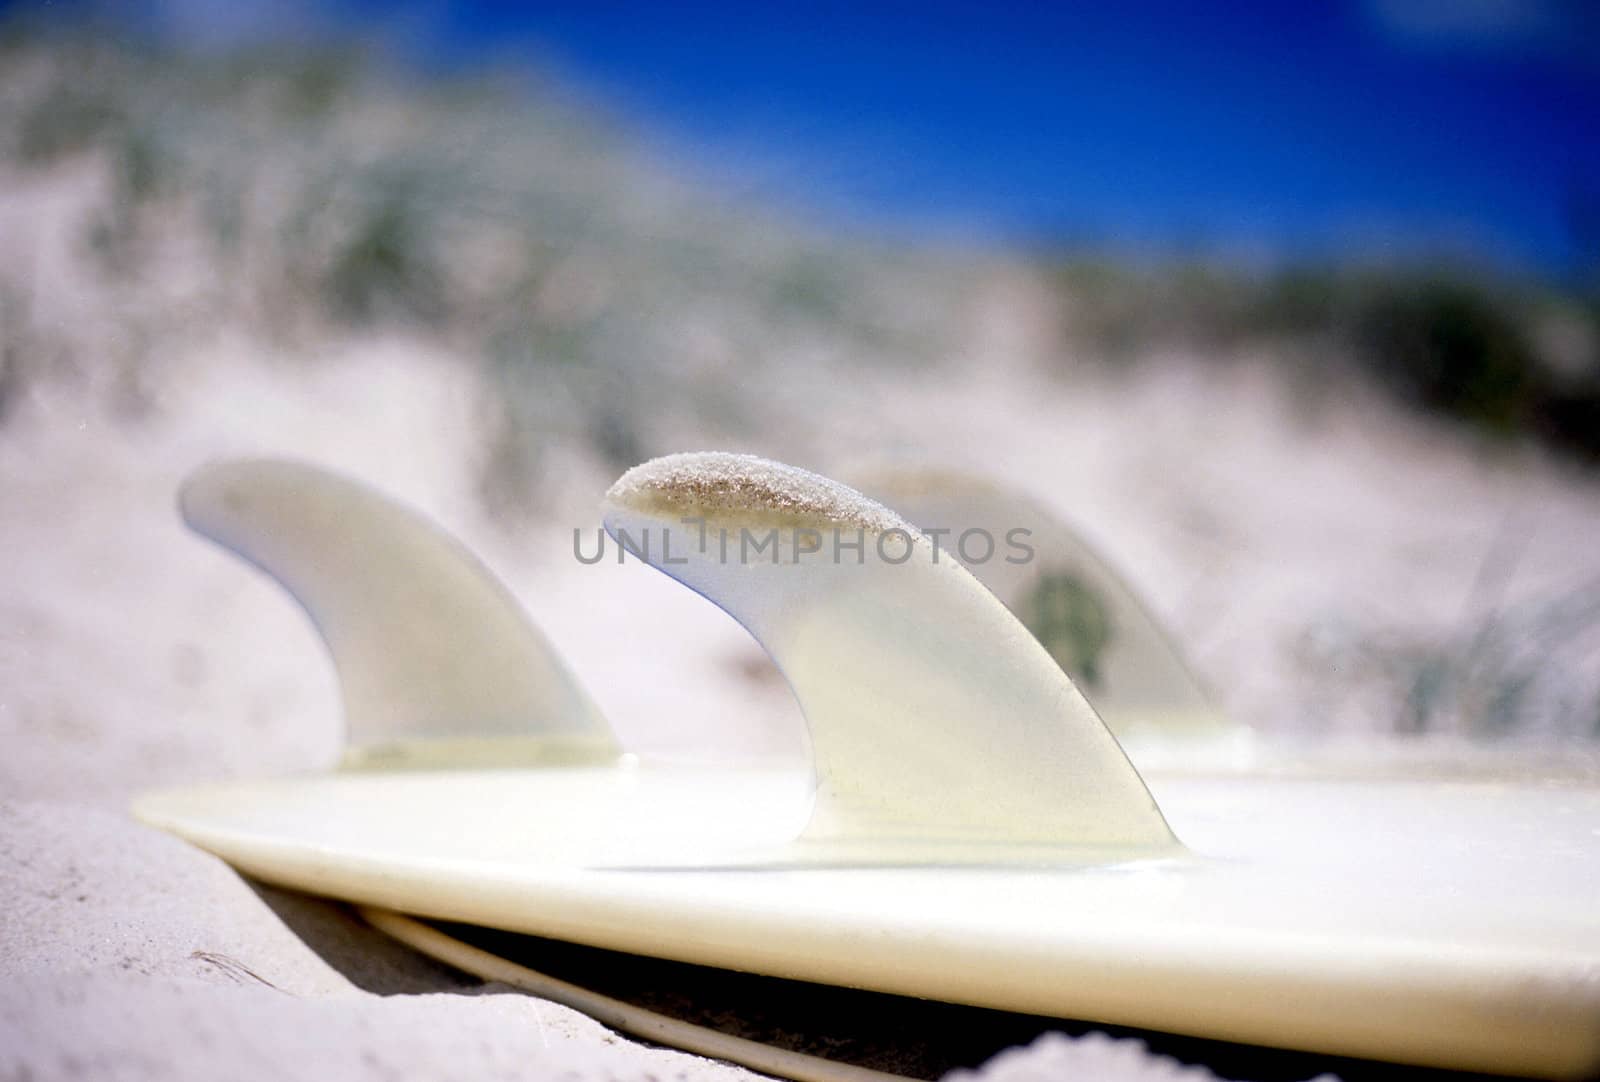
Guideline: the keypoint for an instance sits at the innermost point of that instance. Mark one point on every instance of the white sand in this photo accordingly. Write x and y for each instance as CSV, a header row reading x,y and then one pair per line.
x,y
130,955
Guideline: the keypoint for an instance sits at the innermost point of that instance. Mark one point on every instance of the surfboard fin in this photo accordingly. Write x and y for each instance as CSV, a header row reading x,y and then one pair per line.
x,y
1079,608
437,664
940,728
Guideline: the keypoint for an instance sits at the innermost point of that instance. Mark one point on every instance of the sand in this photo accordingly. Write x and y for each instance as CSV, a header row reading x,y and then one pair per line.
x,y
130,955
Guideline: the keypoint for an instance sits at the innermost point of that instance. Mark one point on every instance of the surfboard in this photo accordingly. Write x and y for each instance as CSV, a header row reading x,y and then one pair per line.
x,y
969,829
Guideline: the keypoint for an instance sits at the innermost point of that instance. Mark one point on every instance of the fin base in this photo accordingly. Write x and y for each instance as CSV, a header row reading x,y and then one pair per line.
x,y
490,752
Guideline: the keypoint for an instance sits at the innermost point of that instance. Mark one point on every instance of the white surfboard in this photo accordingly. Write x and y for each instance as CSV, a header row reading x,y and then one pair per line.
x,y
969,829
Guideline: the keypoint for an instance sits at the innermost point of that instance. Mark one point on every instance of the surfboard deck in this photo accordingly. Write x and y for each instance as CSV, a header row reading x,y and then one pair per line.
x,y
1468,939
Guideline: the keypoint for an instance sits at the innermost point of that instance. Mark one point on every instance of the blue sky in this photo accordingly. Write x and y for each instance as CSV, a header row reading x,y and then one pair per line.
x,y
1381,128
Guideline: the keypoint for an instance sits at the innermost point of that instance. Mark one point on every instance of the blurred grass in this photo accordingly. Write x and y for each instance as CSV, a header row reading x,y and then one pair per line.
x,y
303,195
324,192
1526,668
1509,359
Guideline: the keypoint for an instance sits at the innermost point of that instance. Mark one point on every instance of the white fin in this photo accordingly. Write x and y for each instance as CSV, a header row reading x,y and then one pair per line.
x,y
438,665
939,725
1076,605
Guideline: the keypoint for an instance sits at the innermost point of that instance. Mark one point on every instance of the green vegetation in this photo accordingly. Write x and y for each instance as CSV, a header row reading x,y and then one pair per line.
x,y
329,195
1505,358
311,195
1500,673
1071,620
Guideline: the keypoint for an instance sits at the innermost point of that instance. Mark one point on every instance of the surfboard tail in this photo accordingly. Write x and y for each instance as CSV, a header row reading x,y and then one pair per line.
x,y
941,728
